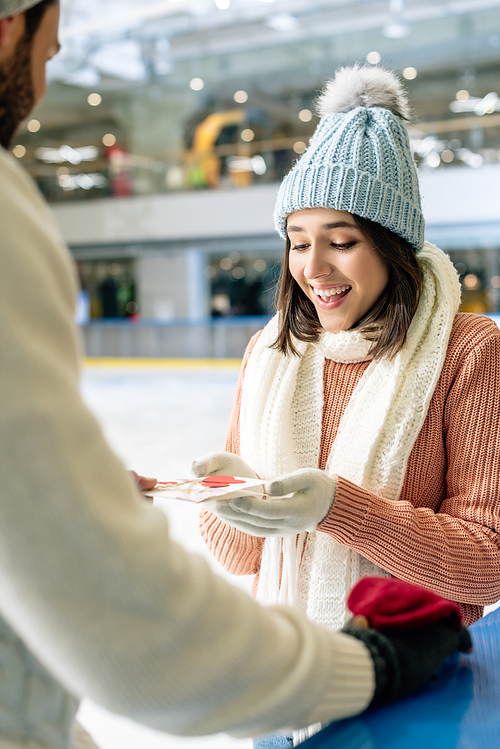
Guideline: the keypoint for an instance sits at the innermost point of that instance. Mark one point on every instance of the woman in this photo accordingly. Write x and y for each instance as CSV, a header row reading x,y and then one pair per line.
x,y
368,404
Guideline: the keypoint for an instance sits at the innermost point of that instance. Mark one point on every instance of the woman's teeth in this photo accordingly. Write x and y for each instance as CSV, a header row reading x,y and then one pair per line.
x,y
327,293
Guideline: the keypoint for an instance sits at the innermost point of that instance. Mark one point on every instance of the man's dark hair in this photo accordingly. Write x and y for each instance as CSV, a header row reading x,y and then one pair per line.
x,y
385,324
34,17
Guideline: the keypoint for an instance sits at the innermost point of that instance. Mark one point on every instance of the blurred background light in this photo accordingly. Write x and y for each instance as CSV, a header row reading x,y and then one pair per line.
x,y
196,84
94,99
240,97
410,73
305,115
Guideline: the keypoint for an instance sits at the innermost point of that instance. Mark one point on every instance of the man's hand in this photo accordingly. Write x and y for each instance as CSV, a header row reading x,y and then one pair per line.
x,y
143,483
408,630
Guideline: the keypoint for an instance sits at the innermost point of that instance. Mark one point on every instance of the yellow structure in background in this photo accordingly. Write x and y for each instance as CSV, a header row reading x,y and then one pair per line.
x,y
203,163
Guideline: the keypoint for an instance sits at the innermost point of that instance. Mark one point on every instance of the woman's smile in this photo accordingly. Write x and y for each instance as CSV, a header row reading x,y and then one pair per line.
x,y
331,297
335,266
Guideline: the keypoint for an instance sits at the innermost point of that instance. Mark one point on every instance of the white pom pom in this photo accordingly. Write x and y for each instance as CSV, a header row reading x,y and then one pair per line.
x,y
364,87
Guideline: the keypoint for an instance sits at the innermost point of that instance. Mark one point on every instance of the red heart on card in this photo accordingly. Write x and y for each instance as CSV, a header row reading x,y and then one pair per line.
x,y
216,482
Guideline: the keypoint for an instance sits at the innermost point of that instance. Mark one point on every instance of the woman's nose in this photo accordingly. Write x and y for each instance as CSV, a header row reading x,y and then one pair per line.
x,y
318,264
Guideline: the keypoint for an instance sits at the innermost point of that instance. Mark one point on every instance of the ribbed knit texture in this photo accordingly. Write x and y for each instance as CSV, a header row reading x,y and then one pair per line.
x,y
361,162
281,432
442,533
90,581
11,7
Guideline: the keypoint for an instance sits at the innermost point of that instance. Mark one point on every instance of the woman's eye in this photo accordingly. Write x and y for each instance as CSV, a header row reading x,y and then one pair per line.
x,y
344,246
299,247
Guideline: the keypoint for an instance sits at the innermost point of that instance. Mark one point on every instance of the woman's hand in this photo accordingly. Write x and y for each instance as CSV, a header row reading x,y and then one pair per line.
x,y
222,464
312,493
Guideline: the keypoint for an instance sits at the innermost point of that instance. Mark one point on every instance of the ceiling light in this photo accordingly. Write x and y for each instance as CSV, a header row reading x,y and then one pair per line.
x,y
66,153
247,135
305,115
373,58
397,28
447,156
141,12
94,99
487,105
462,95
425,146
223,4
260,265
475,160
259,165
19,151
410,73
433,160
122,59
196,84
299,146
241,97
84,77
282,22
33,126
109,139
471,281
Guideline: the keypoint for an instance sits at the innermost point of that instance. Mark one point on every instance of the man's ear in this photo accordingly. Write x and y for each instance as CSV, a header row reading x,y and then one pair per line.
x,y
11,28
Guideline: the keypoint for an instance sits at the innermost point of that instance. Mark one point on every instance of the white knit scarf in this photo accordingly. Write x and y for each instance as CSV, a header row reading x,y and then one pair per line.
x,y
280,431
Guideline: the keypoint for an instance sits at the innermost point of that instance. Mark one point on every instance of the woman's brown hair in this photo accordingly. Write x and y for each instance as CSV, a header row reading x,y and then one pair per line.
x,y
385,324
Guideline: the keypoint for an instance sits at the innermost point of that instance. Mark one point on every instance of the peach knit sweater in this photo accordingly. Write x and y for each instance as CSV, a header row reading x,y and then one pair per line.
x,y
443,532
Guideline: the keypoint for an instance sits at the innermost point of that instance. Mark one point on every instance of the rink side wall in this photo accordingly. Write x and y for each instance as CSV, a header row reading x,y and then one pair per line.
x,y
460,204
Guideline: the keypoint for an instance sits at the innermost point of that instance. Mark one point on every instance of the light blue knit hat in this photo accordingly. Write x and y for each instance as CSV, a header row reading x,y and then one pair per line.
x,y
359,159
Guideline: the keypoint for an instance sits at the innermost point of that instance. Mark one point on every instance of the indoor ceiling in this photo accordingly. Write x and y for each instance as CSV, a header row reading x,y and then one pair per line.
x,y
157,67
140,40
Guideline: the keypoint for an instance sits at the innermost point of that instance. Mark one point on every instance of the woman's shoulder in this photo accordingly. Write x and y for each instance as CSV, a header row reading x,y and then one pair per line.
x,y
471,334
470,330
251,343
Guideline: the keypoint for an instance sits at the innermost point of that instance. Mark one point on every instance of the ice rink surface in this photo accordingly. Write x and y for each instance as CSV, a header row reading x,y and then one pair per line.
x,y
158,419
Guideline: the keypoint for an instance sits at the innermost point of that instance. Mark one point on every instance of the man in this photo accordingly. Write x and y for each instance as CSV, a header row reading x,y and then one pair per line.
x,y
95,599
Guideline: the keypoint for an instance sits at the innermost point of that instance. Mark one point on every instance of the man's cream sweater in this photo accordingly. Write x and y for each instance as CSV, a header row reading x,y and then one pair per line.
x,y
90,582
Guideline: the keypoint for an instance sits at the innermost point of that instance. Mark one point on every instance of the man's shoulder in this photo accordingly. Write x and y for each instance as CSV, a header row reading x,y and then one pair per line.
x,y
16,185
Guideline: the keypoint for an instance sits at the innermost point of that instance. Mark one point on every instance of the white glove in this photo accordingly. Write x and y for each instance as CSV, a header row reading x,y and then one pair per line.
x,y
313,492
222,464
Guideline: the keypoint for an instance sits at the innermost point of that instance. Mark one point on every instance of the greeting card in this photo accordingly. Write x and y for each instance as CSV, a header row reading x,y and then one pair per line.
x,y
208,487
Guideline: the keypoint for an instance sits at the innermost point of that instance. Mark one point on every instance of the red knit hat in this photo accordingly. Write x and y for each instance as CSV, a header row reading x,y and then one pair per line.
x,y
390,604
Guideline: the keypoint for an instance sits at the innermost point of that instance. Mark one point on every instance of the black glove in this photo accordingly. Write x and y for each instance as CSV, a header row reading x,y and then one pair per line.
x,y
408,630
405,660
